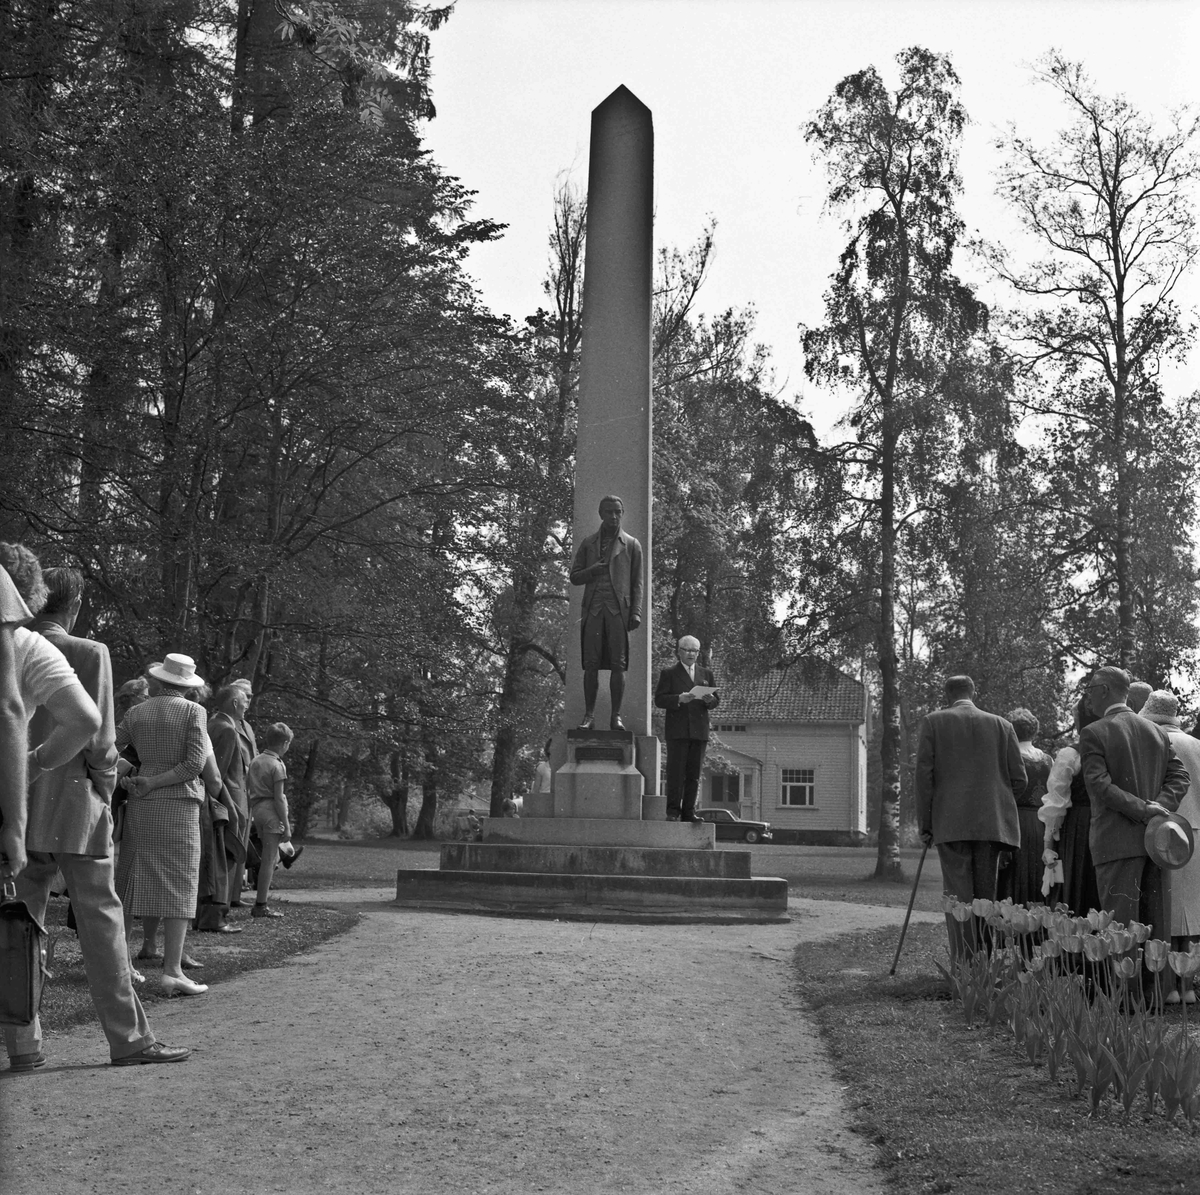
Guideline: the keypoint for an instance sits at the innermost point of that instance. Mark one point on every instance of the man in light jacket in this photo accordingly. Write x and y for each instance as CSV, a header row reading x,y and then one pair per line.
x,y
969,770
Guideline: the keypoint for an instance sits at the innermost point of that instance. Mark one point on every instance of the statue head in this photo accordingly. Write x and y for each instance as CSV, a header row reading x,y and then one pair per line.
x,y
611,510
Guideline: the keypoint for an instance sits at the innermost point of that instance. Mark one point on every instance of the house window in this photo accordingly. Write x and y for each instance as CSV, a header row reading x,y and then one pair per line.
x,y
726,790
799,787
730,726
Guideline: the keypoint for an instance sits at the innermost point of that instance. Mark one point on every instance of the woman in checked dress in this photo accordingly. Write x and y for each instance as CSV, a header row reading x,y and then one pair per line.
x,y
158,873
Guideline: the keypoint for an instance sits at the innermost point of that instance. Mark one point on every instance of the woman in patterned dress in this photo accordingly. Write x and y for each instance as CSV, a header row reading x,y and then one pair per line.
x,y
159,870
1066,814
1021,880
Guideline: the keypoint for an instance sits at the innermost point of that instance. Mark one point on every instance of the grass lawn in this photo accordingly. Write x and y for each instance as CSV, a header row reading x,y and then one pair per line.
x,y
66,1000
365,863
958,1109
845,873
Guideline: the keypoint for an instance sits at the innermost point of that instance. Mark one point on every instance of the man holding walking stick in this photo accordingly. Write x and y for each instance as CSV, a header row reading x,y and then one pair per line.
x,y
969,771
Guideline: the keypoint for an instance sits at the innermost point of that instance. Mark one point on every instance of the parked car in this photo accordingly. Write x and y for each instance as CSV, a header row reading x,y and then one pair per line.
x,y
731,828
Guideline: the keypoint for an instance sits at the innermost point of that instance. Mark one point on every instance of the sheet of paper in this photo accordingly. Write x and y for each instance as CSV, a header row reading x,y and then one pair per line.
x,y
702,691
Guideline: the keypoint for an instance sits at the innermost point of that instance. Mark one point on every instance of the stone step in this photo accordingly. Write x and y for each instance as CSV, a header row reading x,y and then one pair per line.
x,y
594,860
599,831
596,897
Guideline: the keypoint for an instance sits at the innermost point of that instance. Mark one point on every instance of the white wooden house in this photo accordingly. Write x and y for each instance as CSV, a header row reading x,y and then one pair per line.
x,y
790,748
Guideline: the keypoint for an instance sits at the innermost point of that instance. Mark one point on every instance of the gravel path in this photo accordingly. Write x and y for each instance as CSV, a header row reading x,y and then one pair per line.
x,y
432,1053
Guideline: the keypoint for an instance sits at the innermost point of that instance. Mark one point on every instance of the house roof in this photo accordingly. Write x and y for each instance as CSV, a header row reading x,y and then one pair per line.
x,y
808,690
718,746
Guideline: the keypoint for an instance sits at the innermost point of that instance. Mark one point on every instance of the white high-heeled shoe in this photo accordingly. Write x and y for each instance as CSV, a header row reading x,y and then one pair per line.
x,y
173,985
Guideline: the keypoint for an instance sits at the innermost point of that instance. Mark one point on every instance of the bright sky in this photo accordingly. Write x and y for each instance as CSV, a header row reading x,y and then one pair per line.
x,y
730,83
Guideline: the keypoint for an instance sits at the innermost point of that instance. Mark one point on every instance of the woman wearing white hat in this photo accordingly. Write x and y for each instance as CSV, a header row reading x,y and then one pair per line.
x,y
158,873
1162,708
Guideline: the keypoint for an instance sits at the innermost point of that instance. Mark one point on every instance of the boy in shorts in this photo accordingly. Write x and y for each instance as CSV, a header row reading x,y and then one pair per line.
x,y
265,780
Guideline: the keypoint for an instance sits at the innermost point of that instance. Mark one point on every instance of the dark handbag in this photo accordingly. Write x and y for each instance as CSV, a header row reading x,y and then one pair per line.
x,y
23,960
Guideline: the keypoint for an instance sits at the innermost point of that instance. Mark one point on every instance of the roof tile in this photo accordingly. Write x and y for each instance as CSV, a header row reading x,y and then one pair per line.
x,y
808,690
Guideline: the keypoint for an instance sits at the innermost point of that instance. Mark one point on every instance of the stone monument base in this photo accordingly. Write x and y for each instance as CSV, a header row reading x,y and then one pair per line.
x,y
591,881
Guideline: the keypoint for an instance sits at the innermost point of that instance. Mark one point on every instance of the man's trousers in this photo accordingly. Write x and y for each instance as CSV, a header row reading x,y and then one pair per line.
x,y
685,757
100,922
969,870
1136,890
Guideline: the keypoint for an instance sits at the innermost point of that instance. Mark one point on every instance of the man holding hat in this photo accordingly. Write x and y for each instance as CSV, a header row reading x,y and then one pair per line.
x,y
1177,853
1133,776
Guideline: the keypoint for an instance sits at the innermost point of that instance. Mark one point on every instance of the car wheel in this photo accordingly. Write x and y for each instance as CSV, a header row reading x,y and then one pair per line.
x,y
752,836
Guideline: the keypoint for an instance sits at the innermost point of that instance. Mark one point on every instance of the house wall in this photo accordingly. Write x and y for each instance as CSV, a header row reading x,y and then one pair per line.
x,y
835,751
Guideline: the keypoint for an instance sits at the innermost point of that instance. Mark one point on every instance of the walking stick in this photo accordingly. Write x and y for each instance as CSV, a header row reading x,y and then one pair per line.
x,y
911,901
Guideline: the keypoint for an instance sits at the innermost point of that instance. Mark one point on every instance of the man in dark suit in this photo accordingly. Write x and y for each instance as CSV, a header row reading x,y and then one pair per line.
x,y
70,830
1132,774
969,770
686,727
234,747
608,565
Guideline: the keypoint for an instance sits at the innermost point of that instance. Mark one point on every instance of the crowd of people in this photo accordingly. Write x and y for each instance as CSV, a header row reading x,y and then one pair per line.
x,y
1107,824
144,806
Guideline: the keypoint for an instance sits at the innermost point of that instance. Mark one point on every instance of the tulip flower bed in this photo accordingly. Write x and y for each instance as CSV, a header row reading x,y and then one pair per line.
x,y
1069,990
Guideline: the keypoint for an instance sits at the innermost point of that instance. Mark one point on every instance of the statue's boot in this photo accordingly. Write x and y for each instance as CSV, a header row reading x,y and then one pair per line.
x,y
589,721
616,723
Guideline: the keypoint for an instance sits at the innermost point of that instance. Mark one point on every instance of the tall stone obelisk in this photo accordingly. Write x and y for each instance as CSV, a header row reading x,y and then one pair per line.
x,y
613,454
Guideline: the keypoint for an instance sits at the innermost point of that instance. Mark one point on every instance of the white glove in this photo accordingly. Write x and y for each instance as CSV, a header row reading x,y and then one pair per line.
x,y
1049,857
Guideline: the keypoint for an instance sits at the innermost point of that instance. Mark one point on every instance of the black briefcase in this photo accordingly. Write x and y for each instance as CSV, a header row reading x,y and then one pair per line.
x,y
23,960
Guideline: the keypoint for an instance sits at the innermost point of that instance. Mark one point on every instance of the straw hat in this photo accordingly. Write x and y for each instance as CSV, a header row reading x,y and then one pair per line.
x,y
1162,707
1170,841
176,670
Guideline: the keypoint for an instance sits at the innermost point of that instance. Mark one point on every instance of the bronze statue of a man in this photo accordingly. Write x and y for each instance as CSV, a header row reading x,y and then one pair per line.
x,y
608,565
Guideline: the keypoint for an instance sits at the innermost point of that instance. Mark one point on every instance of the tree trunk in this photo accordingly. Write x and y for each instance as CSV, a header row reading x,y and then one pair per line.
x,y
887,864
397,795
423,828
505,745
1123,538
304,795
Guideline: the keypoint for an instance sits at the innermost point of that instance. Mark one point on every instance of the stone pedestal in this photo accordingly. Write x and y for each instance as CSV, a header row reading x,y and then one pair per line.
x,y
596,883
600,778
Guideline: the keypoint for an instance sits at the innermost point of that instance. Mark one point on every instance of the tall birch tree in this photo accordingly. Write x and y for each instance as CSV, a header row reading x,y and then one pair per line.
x,y
897,322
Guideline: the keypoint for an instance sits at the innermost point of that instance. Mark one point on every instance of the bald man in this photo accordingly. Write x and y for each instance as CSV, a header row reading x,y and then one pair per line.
x,y
687,726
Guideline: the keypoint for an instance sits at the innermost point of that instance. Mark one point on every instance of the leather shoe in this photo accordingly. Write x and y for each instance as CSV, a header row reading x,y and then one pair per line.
x,y
190,964
224,929
237,904
153,1053
180,985
616,724
264,911
588,723
26,1062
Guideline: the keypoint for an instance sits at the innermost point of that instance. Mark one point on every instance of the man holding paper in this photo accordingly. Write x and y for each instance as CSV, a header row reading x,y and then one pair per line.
x,y
687,691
